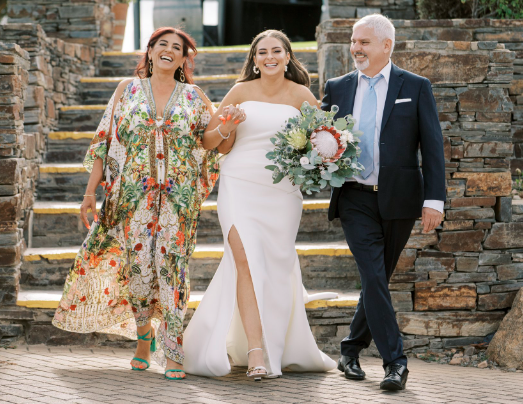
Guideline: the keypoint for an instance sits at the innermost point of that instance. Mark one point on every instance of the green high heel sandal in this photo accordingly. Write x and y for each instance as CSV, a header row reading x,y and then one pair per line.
x,y
153,349
175,378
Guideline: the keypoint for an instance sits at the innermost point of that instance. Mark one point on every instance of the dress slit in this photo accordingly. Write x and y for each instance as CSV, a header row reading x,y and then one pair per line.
x,y
236,314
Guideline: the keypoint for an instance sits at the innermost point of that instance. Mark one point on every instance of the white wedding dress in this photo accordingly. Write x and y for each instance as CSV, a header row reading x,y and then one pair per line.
x,y
267,217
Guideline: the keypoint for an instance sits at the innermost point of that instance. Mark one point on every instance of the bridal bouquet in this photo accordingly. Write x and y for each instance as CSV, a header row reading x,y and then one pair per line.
x,y
314,150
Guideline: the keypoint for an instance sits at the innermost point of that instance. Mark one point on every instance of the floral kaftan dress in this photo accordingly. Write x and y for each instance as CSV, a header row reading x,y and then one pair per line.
x,y
133,265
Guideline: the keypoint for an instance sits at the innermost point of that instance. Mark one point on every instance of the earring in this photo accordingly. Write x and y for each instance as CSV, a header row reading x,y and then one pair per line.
x,y
255,69
286,68
182,75
151,67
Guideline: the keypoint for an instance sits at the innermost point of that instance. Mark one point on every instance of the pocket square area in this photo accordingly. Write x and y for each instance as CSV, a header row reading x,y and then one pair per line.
x,y
399,101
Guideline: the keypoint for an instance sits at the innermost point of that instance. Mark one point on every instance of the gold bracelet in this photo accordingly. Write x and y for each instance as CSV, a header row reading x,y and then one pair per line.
x,y
89,195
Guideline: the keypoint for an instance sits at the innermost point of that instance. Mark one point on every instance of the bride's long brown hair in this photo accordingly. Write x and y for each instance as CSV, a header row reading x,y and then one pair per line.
x,y
295,70
142,69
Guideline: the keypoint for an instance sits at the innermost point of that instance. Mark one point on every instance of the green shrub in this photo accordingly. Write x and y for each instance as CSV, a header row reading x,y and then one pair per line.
x,y
443,9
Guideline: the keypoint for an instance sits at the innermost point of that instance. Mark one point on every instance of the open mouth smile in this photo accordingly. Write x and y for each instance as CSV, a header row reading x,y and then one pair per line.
x,y
166,58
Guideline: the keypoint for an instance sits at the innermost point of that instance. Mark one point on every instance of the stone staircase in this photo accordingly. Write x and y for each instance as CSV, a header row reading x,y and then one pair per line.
x,y
326,261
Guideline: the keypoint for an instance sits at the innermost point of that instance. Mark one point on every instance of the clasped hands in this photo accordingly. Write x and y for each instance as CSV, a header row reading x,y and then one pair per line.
x,y
231,117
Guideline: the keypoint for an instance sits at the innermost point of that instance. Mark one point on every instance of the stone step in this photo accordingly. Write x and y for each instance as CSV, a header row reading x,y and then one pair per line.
x,y
67,181
323,265
58,224
98,90
329,320
207,62
81,118
63,182
49,298
67,147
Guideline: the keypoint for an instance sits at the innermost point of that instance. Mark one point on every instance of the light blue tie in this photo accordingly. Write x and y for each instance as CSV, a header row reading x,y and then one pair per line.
x,y
368,126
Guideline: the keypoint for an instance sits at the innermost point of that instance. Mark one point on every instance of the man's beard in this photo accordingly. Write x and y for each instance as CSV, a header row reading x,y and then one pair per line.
x,y
361,65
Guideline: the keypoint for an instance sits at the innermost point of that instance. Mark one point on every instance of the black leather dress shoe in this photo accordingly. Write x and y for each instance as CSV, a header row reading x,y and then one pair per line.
x,y
395,377
351,367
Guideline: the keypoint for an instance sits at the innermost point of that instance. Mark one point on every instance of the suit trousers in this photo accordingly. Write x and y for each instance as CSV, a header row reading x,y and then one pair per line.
x,y
376,244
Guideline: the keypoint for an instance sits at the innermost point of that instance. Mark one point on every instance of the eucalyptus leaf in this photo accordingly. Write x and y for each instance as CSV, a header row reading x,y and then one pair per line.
x,y
336,182
278,178
309,146
326,175
332,168
340,124
272,168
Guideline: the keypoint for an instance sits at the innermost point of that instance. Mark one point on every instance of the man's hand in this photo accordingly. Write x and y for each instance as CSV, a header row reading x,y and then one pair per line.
x,y
430,219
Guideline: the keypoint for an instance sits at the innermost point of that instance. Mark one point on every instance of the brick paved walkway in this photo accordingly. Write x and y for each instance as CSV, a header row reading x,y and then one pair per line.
x,y
62,375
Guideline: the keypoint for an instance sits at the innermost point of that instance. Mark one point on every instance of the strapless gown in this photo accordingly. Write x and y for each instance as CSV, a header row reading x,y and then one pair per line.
x,y
267,217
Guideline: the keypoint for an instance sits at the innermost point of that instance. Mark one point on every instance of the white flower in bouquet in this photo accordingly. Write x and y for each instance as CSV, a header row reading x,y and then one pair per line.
x,y
304,160
297,138
346,137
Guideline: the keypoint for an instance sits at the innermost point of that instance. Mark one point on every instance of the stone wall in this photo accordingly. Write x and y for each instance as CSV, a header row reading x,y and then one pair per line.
x,y
87,22
334,56
38,75
360,8
17,156
453,287
54,74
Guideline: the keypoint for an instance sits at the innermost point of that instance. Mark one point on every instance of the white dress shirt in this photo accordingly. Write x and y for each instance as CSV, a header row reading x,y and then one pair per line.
x,y
381,88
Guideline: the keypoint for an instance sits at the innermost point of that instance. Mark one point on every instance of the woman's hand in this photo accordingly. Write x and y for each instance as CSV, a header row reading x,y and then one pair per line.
x,y
231,117
88,204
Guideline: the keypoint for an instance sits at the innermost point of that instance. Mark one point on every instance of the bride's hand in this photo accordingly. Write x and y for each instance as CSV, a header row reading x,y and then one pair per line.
x,y
231,117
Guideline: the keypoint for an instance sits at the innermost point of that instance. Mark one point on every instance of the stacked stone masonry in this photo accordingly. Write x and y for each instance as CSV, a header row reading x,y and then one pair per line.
x,y
86,22
361,8
454,286
54,74
18,157
38,76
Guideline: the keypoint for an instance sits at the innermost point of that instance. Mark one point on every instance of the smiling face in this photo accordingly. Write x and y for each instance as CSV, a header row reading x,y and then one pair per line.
x,y
271,57
167,53
370,54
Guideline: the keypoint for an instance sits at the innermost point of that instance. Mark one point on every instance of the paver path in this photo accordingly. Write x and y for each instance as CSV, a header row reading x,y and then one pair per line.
x,y
38,374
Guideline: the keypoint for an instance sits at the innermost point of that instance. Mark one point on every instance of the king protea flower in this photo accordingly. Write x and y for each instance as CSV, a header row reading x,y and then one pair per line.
x,y
327,142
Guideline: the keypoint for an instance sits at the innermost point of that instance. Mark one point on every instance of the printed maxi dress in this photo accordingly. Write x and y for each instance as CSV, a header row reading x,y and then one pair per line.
x,y
133,265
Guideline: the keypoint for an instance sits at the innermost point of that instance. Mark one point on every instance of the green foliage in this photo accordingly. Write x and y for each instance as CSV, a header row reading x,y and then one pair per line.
x,y
444,9
505,9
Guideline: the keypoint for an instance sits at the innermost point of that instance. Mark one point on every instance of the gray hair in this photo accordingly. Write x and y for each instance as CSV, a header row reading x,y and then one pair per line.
x,y
383,27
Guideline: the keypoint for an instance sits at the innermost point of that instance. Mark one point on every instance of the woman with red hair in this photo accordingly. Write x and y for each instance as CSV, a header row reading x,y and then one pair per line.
x,y
131,274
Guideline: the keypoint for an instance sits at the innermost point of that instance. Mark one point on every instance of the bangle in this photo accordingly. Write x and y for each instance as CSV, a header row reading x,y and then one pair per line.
x,y
220,132
89,195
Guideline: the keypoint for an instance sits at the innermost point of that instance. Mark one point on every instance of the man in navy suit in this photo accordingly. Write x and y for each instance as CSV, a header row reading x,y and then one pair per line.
x,y
397,113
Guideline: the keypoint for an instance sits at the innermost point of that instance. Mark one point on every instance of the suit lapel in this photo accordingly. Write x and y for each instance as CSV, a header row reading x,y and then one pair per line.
x,y
395,83
350,94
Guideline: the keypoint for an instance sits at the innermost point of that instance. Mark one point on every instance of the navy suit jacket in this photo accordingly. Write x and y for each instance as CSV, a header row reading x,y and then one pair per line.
x,y
405,128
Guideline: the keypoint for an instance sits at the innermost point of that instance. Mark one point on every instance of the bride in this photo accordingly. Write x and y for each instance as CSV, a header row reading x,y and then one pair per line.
x,y
253,310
